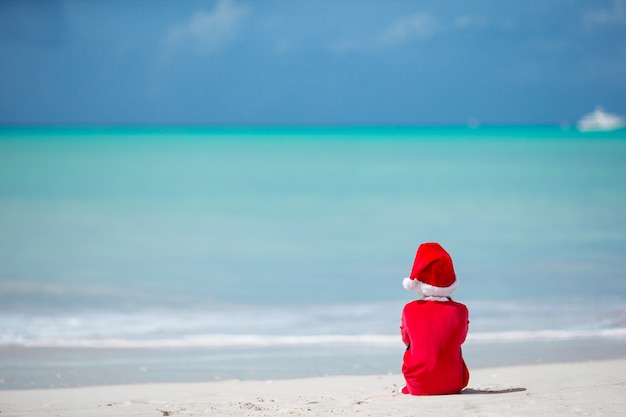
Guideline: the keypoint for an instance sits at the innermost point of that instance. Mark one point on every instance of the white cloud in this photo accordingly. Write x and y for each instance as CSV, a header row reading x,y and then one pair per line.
x,y
284,46
469,21
418,26
615,14
349,45
208,31
406,29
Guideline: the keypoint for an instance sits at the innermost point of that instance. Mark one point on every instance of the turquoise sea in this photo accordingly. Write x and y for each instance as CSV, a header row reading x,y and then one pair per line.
x,y
186,253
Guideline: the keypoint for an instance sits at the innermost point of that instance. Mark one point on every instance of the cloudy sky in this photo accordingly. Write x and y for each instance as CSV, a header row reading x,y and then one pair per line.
x,y
242,62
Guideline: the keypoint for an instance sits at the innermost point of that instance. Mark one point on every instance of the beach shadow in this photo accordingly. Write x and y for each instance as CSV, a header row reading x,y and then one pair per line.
x,y
492,390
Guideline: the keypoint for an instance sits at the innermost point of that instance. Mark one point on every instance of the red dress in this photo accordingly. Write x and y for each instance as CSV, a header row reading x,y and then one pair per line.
x,y
434,332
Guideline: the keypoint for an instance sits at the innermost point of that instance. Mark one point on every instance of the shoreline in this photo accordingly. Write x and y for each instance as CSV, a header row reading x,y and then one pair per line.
x,y
42,368
591,387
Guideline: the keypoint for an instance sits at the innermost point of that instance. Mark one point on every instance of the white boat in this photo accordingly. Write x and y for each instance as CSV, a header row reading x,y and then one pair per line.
x,y
599,120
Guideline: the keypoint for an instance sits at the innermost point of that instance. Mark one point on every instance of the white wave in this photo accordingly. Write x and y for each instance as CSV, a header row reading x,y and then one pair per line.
x,y
216,341
538,335
260,341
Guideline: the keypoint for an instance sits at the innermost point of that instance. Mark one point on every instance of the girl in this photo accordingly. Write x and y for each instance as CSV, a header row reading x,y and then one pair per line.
x,y
434,327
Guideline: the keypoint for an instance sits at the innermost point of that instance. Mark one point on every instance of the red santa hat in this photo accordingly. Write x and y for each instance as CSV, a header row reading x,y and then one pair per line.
x,y
432,273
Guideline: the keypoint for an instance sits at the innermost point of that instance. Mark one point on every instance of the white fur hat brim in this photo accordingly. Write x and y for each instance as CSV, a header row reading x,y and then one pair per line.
x,y
428,290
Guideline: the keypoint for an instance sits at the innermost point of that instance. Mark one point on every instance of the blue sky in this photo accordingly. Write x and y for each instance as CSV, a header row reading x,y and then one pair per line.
x,y
277,62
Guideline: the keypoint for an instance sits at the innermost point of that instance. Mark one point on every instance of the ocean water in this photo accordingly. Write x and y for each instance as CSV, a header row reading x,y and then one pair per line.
x,y
156,254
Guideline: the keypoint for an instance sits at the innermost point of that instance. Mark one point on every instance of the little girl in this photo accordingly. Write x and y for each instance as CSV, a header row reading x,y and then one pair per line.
x,y
434,327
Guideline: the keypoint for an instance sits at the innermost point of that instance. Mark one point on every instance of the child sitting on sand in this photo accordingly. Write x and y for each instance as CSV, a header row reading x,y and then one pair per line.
x,y
434,327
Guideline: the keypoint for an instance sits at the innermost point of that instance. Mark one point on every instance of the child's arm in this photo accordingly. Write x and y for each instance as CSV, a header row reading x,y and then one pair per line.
x,y
403,331
466,328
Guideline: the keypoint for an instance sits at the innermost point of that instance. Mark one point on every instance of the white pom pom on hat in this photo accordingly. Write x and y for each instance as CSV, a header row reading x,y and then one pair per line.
x,y
432,273
410,284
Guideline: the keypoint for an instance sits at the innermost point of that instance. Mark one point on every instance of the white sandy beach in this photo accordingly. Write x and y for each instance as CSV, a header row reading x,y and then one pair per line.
x,y
585,388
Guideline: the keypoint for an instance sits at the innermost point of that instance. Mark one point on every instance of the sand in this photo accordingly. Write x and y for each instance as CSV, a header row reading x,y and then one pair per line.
x,y
571,389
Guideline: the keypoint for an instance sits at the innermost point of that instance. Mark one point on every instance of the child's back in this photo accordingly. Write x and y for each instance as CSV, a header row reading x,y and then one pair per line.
x,y
434,328
434,332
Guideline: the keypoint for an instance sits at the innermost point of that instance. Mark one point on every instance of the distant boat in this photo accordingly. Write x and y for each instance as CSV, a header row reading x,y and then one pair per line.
x,y
599,120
